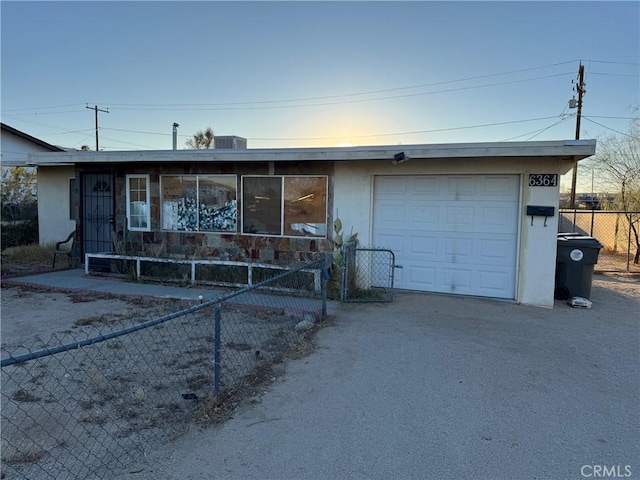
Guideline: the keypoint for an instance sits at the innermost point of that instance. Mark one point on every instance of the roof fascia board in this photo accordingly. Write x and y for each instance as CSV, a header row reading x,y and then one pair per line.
x,y
573,149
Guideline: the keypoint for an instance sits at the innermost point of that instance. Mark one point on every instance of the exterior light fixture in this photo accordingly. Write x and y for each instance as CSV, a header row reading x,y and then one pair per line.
x,y
399,158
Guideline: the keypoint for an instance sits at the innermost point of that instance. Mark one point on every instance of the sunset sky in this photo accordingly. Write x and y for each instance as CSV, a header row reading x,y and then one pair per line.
x,y
307,74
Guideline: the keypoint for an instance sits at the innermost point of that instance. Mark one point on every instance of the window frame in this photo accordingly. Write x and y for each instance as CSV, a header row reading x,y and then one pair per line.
x,y
72,196
282,207
146,177
196,177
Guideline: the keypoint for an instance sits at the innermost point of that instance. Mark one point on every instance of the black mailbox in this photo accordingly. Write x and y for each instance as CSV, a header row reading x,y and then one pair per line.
x,y
538,211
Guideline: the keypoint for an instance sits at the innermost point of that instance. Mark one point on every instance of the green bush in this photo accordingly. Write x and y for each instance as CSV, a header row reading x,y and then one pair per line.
x,y
19,233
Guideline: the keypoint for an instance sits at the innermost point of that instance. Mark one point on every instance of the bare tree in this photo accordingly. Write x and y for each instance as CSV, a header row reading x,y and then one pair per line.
x,y
617,162
201,140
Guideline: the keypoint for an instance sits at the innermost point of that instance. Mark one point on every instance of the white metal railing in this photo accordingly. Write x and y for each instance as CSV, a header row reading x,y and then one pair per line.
x,y
317,282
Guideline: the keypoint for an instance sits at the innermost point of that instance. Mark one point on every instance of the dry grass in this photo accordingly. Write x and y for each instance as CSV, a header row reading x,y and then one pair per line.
x,y
29,254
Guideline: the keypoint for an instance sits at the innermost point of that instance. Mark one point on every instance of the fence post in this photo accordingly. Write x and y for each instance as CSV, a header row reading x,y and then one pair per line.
x,y
324,281
216,351
343,279
629,217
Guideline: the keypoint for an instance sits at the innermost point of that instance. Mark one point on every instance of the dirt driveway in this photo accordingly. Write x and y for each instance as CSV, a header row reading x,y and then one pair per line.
x,y
441,387
483,389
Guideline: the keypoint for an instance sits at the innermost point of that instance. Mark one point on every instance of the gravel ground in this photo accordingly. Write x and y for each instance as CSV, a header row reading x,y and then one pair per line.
x,y
441,387
86,412
541,354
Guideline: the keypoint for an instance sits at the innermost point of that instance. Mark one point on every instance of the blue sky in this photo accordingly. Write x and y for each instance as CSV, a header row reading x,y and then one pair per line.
x,y
306,74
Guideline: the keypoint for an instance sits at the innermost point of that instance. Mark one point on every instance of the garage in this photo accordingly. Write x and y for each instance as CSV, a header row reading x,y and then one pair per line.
x,y
450,233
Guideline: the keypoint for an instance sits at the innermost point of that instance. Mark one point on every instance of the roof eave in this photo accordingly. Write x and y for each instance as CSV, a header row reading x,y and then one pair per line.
x,y
574,149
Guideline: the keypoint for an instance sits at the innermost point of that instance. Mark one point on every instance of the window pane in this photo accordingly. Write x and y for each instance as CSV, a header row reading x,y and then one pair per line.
x,y
262,200
305,206
138,215
138,208
179,203
217,203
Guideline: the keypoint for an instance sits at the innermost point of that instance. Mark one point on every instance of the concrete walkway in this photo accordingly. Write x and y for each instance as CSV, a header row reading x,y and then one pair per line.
x,y
76,279
439,387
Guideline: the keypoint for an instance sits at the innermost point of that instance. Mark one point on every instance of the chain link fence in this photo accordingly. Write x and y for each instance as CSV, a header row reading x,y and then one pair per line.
x,y
367,274
85,405
614,230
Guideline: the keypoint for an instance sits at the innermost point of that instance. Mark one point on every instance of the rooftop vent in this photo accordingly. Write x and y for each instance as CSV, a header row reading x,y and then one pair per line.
x,y
230,142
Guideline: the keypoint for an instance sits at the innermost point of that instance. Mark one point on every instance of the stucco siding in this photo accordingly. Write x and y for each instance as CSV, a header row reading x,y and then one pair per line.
x,y
353,190
53,204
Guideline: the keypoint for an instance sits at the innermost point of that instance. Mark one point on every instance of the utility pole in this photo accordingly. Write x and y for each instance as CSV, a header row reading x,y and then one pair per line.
x,y
96,109
580,89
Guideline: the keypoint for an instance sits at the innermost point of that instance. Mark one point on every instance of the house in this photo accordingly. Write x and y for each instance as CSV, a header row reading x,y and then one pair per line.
x,y
474,219
16,146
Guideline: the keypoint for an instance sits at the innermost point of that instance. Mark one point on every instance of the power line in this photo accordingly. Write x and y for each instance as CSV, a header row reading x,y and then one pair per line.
x,y
127,143
537,132
614,74
457,89
371,92
141,132
49,126
608,128
406,133
43,108
615,63
45,113
339,96
616,118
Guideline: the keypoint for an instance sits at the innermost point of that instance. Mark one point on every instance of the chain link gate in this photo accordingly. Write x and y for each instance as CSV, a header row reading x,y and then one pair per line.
x,y
367,274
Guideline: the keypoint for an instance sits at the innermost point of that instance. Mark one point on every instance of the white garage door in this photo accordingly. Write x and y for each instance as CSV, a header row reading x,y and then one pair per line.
x,y
450,233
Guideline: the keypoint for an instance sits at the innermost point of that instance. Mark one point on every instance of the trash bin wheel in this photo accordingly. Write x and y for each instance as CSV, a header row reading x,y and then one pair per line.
x,y
561,293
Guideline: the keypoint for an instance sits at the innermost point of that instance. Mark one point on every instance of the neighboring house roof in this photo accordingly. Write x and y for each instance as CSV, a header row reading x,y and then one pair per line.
x,y
567,150
31,139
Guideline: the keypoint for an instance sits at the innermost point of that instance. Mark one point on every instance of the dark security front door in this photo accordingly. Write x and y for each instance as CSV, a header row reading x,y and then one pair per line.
x,y
97,212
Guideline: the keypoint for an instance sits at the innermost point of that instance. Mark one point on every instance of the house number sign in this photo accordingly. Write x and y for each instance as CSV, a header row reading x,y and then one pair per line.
x,y
543,179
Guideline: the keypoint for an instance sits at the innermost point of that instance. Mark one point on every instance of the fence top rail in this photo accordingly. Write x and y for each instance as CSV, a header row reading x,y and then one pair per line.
x,y
230,263
598,212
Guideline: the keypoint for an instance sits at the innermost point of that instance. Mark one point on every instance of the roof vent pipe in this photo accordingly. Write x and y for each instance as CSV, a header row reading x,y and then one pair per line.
x,y
175,135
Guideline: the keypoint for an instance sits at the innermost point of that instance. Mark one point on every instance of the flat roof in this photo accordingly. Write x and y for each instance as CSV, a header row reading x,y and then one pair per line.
x,y
565,149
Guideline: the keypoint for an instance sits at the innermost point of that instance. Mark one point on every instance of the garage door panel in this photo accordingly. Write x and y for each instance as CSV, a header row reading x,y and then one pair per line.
x,y
450,233
391,216
424,186
499,216
493,283
497,250
458,218
423,245
461,185
392,185
420,277
424,216
393,242
500,187
458,249
457,280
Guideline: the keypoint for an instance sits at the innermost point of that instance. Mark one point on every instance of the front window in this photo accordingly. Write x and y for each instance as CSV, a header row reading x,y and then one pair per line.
x,y
138,211
292,206
199,203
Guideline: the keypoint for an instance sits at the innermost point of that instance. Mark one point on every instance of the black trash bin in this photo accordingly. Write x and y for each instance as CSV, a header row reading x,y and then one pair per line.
x,y
576,256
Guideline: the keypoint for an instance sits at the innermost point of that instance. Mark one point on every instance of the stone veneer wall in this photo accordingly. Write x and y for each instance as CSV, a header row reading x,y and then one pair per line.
x,y
218,246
